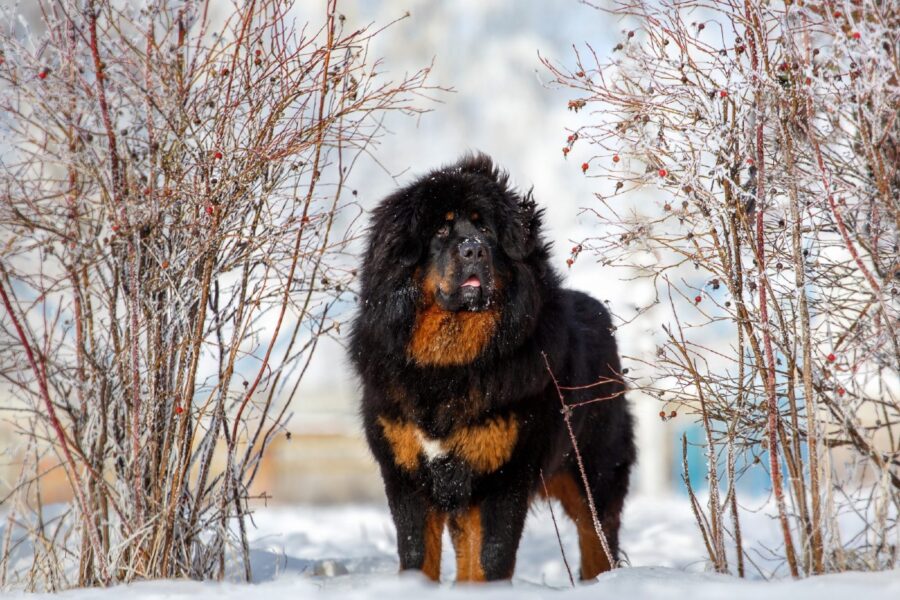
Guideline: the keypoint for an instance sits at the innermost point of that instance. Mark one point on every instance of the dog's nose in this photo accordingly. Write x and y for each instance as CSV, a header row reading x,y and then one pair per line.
x,y
472,250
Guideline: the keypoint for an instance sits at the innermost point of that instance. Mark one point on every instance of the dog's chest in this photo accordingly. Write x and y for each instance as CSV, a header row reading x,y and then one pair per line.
x,y
484,447
432,449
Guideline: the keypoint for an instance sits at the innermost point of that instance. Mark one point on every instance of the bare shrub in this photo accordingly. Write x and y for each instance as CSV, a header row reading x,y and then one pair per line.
x,y
771,133
171,184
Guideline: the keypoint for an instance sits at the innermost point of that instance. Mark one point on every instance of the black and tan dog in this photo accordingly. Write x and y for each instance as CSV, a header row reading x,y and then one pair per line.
x,y
458,309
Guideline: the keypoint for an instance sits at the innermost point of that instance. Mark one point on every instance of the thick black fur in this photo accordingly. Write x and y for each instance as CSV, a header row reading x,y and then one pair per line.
x,y
538,318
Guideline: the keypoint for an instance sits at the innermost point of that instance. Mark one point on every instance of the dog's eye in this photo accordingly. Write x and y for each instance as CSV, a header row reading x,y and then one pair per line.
x,y
443,232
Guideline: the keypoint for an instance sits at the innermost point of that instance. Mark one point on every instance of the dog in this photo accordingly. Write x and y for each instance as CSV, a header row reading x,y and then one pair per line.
x,y
466,345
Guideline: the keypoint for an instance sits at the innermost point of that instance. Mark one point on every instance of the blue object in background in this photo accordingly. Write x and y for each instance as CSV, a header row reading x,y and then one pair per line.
x,y
752,476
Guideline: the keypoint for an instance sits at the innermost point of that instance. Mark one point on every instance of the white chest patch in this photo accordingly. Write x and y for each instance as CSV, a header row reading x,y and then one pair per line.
x,y
432,449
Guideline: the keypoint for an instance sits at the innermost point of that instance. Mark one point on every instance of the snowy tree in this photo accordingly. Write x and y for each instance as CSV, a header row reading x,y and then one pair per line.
x,y
170,196
770,133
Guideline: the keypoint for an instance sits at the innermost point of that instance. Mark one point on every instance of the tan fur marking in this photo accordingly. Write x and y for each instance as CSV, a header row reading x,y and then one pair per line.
x,y
450,216
570,493
434,529
475,216
486,447
404,443
465,531
442,338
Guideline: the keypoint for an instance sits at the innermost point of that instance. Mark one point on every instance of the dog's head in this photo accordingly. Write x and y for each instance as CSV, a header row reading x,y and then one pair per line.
x,y
459,260
459,240
466,227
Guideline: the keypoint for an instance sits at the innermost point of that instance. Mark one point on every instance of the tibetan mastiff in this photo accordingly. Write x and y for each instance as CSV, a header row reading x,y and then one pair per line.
x,y
464,342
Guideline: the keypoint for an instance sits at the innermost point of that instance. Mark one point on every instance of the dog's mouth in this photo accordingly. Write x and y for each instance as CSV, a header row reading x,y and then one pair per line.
x,y
472,281
472,294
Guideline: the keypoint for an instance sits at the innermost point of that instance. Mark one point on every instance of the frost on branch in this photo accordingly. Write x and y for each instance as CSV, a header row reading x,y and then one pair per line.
x,y
763,140
170,191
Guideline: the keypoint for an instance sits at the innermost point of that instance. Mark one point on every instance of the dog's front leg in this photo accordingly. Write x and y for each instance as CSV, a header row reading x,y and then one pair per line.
x,y
419,528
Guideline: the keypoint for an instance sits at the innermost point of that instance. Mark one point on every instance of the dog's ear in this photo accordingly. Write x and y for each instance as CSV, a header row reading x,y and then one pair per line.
x,y
394,235
520,232
410,251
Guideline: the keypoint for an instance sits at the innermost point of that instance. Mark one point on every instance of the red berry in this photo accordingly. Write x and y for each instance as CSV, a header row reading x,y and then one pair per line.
x,y
178,410
697,299
723,94
43,74
615,158
115,227
750,161
662,415
663,172
808,81
840,391
856,35
259,52
146,191
832,357
565,151
579,74
571,138
218,155
584,167
209,209
570,262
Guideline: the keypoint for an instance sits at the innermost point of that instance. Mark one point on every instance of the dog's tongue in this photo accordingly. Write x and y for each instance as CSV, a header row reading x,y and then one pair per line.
x,y
471,282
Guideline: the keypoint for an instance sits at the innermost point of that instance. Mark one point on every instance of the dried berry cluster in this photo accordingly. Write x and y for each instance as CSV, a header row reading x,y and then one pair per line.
x,y
171,181
748,158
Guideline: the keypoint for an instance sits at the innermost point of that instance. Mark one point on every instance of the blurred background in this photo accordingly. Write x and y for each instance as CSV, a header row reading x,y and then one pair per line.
x,y
487,51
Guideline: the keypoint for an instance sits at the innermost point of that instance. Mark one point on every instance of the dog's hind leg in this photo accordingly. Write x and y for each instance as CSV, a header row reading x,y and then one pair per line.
x,y
467,535
568,488
486,537
433,534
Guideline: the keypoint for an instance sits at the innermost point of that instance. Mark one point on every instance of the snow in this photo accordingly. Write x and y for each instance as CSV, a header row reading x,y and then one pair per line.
x,y
349,552
633,583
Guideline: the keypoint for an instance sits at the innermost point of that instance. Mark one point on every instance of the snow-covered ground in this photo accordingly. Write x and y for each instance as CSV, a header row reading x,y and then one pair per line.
x,y
349,552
